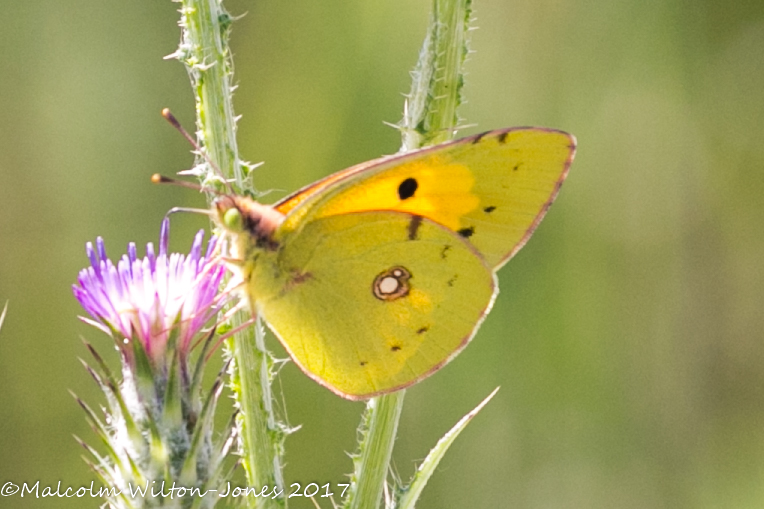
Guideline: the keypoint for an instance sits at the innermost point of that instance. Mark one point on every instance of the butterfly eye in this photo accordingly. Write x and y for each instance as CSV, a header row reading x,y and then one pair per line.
x,y
392,284
232,219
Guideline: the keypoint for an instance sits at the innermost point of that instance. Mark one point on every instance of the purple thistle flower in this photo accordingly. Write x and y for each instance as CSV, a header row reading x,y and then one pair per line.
x,y
148,299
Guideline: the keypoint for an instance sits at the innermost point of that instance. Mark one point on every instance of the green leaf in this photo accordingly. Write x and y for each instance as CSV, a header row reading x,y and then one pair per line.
x,y
172,413
201,361
143,370
101,364
407,497
98,428
201,430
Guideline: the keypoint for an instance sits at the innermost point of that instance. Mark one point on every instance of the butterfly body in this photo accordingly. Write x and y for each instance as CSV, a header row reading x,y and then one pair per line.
x,y
375,277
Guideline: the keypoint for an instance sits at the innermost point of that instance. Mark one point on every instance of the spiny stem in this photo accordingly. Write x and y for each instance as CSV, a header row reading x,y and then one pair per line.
x,y
381,421
204,49
430,117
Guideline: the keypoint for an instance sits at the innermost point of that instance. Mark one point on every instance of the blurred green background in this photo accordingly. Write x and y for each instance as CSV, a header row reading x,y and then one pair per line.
x,y
628,337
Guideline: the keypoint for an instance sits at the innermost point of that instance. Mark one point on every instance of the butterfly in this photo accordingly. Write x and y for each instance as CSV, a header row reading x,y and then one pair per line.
x,y
375,277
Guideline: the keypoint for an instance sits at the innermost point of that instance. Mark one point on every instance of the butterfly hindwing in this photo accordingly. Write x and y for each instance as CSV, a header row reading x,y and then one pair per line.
x,y
491,189
370,302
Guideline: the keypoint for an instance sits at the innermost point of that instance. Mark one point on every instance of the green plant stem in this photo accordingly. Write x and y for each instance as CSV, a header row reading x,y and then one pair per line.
x,y
204,50
382,416
430,117
208,60
260,436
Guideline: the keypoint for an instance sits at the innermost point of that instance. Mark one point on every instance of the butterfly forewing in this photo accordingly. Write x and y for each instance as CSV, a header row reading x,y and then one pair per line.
x,y
491,189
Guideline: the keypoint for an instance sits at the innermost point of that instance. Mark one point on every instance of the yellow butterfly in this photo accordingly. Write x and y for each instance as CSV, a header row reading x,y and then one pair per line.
x,y
375,277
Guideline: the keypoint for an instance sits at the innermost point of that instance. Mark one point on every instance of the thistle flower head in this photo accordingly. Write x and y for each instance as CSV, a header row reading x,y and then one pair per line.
x,y
160,418
154,298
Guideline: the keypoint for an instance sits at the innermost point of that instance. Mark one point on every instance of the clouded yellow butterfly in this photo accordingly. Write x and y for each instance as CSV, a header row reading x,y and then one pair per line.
x,y
375,277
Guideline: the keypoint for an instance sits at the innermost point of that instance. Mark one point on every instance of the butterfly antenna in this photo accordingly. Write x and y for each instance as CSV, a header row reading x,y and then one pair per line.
x,y
161,179
167,114
191,210
158,178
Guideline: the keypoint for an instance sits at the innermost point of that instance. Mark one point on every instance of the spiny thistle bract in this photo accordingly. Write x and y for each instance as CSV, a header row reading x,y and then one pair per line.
x,y
159,422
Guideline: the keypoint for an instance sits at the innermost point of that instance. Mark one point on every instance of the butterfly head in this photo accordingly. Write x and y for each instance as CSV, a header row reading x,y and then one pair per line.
x,y
241,215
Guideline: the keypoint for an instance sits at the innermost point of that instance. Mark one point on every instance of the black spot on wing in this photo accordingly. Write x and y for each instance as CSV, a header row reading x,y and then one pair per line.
x,y
414,224
489,209
502,137
517,166
467,232
444,251
407,188
395,348
451,281
363,363
424,329
479,137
